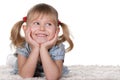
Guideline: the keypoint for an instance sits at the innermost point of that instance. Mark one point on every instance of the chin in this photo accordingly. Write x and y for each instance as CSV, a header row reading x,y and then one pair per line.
x,y
40,42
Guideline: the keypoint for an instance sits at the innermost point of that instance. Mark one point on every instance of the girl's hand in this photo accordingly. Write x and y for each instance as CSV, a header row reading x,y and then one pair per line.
x,y
29,39
52,42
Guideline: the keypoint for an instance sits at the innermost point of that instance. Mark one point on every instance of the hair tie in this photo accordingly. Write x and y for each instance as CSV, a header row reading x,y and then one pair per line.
x,y
59,22
24,19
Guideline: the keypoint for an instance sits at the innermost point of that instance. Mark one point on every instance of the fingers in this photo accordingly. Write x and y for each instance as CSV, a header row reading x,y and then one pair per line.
x,y
29,38
51,42
27,34
56,34
54,40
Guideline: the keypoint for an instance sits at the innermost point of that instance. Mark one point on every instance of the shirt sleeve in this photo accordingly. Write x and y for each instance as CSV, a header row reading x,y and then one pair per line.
x,y
25,50
58,52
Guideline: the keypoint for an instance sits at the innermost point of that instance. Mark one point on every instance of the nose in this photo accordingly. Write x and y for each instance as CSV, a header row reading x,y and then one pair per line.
x,y
42,28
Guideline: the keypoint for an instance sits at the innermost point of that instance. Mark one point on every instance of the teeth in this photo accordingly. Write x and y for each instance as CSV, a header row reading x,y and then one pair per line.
x,y
41,35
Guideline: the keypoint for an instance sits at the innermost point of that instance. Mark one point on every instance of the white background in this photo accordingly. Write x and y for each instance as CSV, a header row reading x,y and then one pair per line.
x,y
94,24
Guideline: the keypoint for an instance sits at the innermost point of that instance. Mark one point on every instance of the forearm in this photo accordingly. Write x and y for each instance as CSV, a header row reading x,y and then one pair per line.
x,y
29,67
51,70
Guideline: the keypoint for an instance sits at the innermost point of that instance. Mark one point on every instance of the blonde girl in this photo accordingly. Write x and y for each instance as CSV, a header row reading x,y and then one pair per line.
x,y
41,50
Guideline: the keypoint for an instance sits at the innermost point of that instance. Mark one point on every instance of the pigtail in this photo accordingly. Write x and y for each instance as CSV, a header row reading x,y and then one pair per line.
x,y
16,38
65,37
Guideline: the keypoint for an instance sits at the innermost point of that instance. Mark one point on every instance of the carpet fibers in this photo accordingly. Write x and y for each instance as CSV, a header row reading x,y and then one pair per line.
x,y
77,72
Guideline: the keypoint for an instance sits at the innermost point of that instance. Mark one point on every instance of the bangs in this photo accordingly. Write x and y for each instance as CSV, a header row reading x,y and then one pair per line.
x,y
37,15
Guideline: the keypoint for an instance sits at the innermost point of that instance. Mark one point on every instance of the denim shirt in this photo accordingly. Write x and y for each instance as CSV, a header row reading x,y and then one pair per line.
x,y
56,53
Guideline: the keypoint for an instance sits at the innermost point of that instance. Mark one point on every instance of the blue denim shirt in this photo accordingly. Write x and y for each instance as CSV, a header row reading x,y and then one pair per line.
x,y
56,52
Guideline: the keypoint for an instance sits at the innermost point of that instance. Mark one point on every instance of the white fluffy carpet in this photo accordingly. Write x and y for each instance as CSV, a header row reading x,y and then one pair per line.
x,y
77,72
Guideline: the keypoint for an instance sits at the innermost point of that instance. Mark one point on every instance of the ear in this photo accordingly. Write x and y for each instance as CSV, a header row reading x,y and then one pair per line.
x,y
24,28
58,29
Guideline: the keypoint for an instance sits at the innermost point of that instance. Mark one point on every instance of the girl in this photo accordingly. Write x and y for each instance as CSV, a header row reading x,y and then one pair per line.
x,y
41,50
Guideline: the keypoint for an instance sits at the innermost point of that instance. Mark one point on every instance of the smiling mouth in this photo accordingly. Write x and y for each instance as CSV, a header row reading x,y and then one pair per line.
x,y
41,35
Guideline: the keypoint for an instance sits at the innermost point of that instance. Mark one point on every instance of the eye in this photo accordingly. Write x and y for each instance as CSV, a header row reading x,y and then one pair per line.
x,y
49,24
36,23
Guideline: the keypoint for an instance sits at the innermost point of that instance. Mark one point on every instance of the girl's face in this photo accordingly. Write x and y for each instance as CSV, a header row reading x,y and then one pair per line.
x,y
42,29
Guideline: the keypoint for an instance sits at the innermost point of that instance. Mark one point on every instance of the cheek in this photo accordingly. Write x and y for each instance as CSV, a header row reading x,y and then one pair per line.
x,y
33,29
52,35
33,32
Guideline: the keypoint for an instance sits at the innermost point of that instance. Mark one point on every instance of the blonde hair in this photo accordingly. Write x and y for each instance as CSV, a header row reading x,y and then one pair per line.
x,y
40,9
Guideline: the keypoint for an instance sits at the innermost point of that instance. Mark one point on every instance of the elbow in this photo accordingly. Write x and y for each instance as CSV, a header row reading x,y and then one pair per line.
x,y
53,77
26,76
23,75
